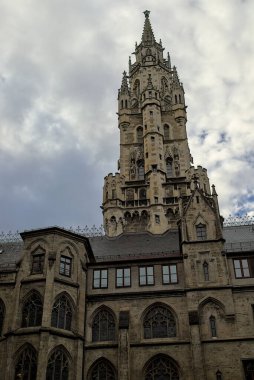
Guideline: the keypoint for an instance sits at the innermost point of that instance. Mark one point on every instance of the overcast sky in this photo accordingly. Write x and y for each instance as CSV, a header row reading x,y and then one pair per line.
x,y
61,65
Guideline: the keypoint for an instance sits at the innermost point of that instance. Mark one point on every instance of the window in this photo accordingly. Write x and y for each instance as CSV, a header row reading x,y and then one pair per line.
x,y
218,375
166,132
62,313
26,364
248,369
123,277
206,271
100,278
159,322
65,266
169,167
37,263
244,267
32,310
103,327
201,231
2,314
102,370
58,366
157,218
146,276
161,367
169,274
139,135
141,170
212,321
113,193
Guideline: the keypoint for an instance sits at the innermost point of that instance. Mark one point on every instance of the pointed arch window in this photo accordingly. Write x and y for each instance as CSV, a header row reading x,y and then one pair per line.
x,y
201,231
32,310
142,194
103,327
62,313
213,329
103,370
58,366
169,167
166,132
219,375
139,135
159,322
2,315
161,367
26,364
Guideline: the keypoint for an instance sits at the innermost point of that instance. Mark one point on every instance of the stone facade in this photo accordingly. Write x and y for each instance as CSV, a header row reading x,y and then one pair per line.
x,y
166,294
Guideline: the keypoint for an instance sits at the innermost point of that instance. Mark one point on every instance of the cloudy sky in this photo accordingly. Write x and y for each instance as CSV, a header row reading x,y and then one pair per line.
x,y
61,65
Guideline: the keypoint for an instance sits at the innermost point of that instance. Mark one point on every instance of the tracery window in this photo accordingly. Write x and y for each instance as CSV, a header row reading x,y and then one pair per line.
x,y
2,314
159,322
58,366
26,364
161,367
102,370
201,231
62,313
103,327
32,310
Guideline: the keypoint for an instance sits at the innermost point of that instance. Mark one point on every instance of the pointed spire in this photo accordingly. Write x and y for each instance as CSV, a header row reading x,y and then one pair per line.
x,y
169,62
124,85
147,36
175,79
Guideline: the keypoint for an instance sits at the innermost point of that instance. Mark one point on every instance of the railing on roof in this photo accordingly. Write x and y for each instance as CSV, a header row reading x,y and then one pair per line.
x,y
235,221
14,236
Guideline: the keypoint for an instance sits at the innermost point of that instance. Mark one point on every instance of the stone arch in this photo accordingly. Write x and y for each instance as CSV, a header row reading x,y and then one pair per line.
x,y
161,366
59,362
32,309
159,320
102,369
212,317
103,324
25,362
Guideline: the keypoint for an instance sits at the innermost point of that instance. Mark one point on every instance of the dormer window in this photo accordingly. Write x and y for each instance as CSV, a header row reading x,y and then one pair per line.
x,y
38,258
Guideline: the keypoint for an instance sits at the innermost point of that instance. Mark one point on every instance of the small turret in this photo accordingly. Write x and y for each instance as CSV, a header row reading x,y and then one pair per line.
x,y
124,94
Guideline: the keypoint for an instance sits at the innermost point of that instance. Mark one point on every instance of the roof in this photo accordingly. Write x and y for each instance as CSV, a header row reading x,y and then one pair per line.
x,y
239,238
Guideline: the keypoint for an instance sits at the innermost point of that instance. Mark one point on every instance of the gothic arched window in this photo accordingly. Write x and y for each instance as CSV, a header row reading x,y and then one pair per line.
x,y
58,365
166,132
139,135
159,322
213,329
2,314
32,310
26,364
218,375
201,231
161,367
102,370
169,167
103,327
206,271
62,313
142,194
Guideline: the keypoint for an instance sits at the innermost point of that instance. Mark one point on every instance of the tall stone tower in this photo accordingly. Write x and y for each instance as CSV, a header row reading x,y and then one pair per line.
x,y
156,177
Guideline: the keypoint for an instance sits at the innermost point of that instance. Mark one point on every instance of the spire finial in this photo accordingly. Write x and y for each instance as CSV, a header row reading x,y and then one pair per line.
x,y
146,13
147,36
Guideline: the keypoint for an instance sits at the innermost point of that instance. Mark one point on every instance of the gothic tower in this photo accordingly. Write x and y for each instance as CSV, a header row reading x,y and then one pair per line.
x,y
156,177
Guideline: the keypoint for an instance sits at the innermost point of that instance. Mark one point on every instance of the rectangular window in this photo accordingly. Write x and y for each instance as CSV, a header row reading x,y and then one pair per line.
x,y
65,266
113,193
146,276
123,277
100,278
244,267
37,264
169,274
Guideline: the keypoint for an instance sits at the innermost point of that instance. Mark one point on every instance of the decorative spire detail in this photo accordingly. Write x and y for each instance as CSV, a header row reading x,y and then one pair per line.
x,y
124,85
147,36
175,79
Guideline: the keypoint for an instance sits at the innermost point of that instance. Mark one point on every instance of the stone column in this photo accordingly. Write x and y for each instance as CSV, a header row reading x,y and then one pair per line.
x,y
124,347
196,348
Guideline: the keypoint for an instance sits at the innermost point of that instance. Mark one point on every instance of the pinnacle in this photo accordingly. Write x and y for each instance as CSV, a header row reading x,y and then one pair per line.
x,y
147,36
124,85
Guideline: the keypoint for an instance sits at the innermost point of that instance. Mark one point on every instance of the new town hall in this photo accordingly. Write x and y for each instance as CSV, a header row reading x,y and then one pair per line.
x,y
167,293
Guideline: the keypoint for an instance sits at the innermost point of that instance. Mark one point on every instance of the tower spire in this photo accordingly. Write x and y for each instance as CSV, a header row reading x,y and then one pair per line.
x,y
147,36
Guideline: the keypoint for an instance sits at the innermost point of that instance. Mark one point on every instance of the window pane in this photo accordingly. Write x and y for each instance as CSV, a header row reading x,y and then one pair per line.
x,y
238,273
96,274
150,280
165,269
96,283
142,271
104,282
174,278
149,271
142,280
119,281
104,273
237,264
